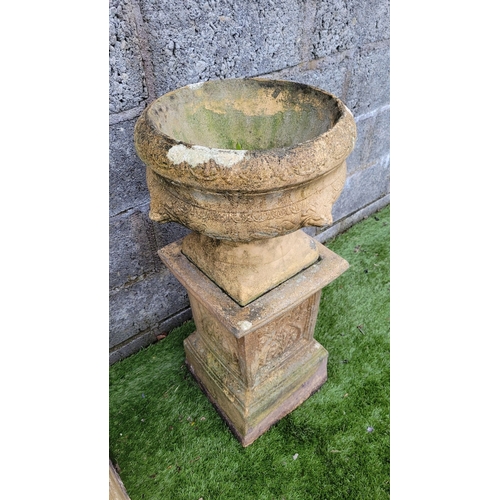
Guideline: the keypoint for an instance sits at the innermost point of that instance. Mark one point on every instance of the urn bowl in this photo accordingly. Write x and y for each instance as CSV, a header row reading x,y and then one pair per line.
x,y
245,159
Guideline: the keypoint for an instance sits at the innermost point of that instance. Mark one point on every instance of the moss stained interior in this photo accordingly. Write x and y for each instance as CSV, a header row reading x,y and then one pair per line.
x,y
235,130
245,114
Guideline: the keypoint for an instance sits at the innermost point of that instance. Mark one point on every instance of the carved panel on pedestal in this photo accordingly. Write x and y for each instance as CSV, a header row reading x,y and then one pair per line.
x,y
271,345
219,343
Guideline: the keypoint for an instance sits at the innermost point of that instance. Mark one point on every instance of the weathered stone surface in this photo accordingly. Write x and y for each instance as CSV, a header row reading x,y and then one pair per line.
x,y
247,270
362,188
144,305
194,41
127,176
247,216
259,362
250,412
243,320
126,75
286,174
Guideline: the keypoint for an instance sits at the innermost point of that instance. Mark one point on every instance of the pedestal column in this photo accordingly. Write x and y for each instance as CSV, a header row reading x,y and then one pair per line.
x,y
258,362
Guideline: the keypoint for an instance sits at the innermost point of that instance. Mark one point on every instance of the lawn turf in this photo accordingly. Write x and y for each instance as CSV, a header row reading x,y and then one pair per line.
x,y
170,443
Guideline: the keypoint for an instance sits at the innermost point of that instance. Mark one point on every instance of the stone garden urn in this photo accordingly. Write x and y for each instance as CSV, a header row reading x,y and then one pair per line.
x,y
244,164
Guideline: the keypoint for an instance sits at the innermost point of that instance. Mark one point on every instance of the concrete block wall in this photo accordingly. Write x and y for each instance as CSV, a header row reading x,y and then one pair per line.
x,y
156,46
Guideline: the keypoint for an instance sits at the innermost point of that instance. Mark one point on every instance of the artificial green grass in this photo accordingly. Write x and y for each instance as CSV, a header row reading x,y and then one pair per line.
x,y
170,443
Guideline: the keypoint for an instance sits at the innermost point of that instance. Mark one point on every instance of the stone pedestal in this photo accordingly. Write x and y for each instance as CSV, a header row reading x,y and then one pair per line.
x,y
257,362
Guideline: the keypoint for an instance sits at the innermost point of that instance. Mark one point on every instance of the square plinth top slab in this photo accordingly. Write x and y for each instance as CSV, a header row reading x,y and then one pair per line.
x,y
242,320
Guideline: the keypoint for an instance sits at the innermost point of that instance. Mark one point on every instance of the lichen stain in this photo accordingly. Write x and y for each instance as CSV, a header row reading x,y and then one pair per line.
x,y
199,155
244,325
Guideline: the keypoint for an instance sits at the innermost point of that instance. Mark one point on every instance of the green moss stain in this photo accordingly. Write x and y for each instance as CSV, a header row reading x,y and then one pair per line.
x,y
235,130
305,114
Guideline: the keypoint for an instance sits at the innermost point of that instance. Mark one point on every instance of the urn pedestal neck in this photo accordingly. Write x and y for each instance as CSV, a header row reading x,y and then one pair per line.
x,y
245,271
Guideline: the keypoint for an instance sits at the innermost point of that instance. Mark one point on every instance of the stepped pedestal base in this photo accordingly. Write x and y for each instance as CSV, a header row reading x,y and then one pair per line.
x,y
258,362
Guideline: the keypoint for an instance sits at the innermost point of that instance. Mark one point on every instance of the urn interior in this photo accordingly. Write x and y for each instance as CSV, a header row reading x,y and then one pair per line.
x,y
245,114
